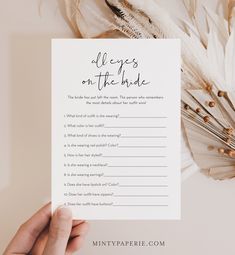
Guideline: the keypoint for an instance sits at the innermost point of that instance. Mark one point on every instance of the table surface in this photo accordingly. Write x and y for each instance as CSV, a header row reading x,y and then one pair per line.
x,y
208,207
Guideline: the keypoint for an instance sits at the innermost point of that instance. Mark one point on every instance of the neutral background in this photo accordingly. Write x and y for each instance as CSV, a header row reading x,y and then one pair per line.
x,y
208,207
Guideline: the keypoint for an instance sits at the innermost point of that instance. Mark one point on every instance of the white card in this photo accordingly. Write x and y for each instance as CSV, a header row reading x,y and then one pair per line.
x,y
116,128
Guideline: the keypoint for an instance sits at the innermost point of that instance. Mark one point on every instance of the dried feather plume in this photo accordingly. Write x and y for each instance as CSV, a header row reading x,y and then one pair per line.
x,y
208,73
231,14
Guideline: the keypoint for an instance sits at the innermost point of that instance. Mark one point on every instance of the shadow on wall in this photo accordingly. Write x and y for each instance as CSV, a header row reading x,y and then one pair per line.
x,y
29,184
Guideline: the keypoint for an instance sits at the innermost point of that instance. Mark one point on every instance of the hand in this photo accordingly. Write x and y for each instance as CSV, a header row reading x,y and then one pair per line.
x,y
46,235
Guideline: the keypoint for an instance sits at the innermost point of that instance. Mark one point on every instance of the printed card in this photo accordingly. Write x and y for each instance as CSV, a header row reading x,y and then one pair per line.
x,y
116,128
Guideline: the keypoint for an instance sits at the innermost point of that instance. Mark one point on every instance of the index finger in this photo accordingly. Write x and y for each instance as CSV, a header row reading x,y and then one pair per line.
x,y
28,232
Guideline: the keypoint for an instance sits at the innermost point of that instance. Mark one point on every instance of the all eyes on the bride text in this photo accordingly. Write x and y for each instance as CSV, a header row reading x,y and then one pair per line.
x,y
104,78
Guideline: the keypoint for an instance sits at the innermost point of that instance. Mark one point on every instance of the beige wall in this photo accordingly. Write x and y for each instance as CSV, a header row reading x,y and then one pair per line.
x,y
208,207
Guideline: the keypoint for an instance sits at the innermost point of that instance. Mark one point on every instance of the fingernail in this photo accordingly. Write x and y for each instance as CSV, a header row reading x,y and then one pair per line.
x,y
64,213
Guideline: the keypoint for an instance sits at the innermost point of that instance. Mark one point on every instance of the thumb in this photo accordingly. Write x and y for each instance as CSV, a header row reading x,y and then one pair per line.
x,y
59,232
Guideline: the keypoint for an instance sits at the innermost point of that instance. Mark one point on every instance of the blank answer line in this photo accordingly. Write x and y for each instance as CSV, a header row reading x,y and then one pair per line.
x,y
141,196
135,127
140,117
133,176
143,136
134,156
141,166
142,205
127,146
143,186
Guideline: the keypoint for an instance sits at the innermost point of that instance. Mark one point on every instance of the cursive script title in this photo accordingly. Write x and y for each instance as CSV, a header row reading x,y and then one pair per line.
x,y
123,70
